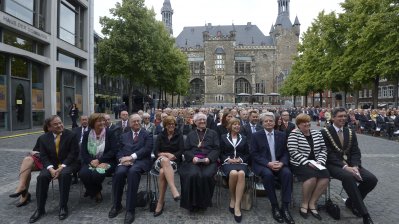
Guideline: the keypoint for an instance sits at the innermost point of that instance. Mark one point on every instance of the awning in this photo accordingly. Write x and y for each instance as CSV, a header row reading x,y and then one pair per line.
x,y
259,94
243,94
273,94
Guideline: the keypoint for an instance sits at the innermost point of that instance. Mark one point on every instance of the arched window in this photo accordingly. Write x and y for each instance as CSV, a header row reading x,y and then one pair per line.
x,y
242,86
219,58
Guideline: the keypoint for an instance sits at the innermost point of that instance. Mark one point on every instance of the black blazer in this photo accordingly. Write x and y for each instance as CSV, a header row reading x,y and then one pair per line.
x,y
227,149
260,152
334,156
175,145
109,150
287,130
246,130
68,151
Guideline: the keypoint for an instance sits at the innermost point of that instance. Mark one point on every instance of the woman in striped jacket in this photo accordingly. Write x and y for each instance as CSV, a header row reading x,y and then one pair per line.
x,y
308,151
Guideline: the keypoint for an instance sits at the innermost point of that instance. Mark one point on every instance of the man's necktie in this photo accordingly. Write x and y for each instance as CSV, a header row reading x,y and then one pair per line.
x,y
136,137
57,143
341,137
270,140
253,127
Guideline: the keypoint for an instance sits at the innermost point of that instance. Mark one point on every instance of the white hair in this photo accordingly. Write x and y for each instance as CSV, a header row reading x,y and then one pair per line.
x,y
266,114
198,116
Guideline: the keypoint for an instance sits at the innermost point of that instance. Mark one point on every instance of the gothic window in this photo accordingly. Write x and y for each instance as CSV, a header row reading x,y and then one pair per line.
x,y
197,87
219,59
219,81
243,67
242,86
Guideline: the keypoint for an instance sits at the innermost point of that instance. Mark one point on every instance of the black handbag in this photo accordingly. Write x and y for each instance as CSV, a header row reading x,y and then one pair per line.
x,y
142,199
153,201
333,209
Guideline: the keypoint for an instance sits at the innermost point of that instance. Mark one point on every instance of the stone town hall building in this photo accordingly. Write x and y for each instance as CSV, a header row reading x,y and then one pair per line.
x,y
232,64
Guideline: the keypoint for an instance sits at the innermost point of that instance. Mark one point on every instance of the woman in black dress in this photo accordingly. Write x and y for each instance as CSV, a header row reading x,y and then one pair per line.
x,y
99,147
74,114
234,155
307,150
199,168
168,150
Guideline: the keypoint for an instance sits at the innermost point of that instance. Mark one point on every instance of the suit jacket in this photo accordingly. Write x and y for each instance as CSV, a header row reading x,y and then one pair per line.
x,y
158,129
288,129
78,132
150,128
110,149
67,153
210,145
260,151
227,150
334,156
142,148
246,130
118,130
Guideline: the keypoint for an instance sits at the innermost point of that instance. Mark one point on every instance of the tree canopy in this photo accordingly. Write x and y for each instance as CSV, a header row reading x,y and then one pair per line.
x,y
138,48
343,52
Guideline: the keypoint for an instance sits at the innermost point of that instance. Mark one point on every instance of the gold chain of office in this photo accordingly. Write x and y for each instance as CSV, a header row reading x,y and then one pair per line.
x,y
345,152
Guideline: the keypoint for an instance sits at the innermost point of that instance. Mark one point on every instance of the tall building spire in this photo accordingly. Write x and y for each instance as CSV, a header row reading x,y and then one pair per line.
x,y
167,13
284,7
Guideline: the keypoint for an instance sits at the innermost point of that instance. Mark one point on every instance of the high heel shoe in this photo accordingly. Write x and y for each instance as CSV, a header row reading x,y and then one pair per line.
x,y
177,198
315,214
99,197
160,212
15,195
20,204
303,214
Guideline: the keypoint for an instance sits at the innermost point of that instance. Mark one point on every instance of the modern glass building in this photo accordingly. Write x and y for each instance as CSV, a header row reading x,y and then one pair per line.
x,y
45,60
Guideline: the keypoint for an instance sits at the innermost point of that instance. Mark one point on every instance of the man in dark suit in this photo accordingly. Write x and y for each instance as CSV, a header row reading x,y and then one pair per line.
x,y
270,160
79,131
286,125
122,126
134,158
252,126
344,164
58,153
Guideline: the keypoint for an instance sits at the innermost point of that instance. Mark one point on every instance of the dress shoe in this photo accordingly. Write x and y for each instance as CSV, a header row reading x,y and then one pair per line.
x,y
74,181
129,217
277,215
367,219
63,213
238,218
231,210
160,212
36,216
349,205
287,216
114,211
303,214
315,214
15,195
23,203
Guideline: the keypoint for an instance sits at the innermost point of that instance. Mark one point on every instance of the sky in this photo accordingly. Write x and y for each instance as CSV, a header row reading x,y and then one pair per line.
x,y
262,13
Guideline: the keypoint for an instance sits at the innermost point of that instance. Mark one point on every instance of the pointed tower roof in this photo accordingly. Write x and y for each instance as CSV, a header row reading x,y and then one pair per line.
x,y
296,22
166,6
271,29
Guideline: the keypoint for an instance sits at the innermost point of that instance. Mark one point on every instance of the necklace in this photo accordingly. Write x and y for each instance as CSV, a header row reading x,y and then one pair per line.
x,y
199,140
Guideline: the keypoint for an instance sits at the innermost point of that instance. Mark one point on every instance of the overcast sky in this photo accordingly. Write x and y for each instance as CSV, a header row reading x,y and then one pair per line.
x,y
262,13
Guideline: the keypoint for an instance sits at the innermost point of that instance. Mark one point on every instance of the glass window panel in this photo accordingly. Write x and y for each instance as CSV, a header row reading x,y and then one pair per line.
x,y
3,89
22,9
68,78
18,41
66,59
67,29
19,67
79,84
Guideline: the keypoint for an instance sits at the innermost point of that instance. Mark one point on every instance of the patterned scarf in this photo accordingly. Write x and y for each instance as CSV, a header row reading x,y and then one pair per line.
x,y
95,146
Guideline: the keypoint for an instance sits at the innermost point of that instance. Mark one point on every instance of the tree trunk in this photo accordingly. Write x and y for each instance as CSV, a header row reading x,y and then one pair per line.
x,y
178,100
375,91
294,101
395,91
130,98
172,99
160,97
306,100
344,99
356,99
312,99
321,98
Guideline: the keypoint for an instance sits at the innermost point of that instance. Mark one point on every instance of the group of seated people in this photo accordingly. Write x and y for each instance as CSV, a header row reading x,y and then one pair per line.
x,y
272,148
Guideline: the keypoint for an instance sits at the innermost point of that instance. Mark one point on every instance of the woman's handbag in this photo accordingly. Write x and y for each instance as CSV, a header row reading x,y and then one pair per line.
x,y
246,201
333,209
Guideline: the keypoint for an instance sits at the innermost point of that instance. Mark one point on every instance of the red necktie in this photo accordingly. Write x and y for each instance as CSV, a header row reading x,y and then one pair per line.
x,y
136,137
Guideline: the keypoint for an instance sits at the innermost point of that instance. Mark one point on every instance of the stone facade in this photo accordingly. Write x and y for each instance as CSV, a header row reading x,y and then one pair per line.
x,y
233,64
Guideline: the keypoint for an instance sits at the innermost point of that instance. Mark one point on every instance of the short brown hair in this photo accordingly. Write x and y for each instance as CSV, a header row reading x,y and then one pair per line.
x,y
302,118
169,120
94,118
231,122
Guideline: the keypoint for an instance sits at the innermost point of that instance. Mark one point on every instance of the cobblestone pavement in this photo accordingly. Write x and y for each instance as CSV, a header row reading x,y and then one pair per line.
x,y
380,156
